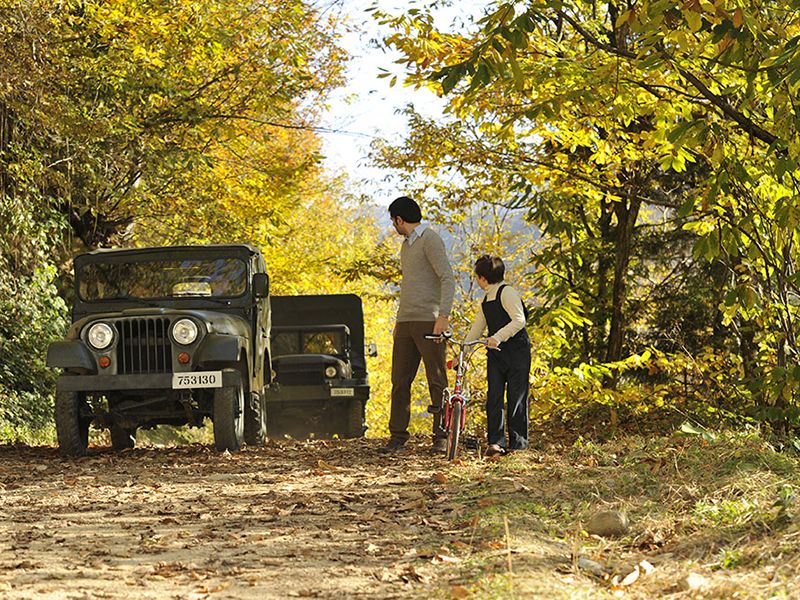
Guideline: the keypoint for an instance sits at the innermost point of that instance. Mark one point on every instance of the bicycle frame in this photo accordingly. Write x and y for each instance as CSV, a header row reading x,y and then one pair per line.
x,y
455,402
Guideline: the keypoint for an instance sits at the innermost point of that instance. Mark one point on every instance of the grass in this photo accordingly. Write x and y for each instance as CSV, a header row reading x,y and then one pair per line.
x,y
725,508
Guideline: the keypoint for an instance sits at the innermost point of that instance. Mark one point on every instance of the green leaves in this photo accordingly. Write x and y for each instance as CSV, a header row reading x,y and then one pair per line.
x,y
451,76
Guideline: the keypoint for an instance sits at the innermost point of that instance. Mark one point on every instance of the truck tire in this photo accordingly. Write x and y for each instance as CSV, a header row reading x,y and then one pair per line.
x,y
354,427
255,422
72,429
121,438
228,417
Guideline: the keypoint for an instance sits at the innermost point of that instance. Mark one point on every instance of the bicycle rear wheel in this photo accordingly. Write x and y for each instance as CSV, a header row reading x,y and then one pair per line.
x,y
454,431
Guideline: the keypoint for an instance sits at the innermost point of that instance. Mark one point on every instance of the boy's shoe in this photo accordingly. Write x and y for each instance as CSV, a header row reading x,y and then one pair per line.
x,y
393,446
494,450
439,446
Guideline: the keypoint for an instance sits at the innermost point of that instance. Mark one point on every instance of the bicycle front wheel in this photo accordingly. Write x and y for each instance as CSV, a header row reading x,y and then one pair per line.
x,y
455,430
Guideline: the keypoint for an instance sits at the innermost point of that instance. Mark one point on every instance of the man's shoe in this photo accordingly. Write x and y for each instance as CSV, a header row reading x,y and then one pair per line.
x,y
494,450
439,446
393,446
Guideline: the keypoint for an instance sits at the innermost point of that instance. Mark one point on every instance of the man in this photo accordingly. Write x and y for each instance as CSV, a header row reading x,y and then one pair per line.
x,y
426,297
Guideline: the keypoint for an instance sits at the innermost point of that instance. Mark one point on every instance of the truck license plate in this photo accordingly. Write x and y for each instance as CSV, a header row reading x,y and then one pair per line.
x,y
343,392
198,379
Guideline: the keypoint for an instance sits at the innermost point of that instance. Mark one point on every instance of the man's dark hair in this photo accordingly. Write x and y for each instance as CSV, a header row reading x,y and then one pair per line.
x,y
405,208
491,268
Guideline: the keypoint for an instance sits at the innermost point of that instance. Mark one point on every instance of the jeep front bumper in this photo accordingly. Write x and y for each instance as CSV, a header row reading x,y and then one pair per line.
x,y
103,383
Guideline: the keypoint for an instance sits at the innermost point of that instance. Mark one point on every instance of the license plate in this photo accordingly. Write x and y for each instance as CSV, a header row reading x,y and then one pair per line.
x,y
198,379
343,392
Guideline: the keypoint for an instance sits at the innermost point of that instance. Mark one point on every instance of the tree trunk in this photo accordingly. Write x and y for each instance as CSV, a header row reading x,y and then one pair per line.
x,y
6,132
626,214
601,316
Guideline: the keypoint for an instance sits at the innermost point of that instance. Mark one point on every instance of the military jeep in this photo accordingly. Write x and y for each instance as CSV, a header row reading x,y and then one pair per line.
x,y
167,335
320,385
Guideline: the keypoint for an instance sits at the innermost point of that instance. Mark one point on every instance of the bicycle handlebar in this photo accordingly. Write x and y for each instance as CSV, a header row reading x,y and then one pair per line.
x,y
448,337
445,335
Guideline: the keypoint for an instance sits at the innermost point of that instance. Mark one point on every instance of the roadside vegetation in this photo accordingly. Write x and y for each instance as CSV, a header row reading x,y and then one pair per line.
x,y
711,516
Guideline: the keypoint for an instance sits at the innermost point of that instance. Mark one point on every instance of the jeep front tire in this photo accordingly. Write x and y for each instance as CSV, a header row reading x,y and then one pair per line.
x,y
72,428
354,427
255,425
228,417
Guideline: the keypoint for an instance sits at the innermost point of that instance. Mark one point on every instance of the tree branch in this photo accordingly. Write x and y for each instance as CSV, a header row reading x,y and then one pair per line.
x,y
721,103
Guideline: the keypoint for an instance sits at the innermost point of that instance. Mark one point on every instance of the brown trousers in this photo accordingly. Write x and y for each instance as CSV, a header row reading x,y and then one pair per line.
x,y
409,346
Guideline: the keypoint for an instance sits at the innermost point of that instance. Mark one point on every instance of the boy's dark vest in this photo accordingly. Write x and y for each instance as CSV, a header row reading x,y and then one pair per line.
x,y
497,318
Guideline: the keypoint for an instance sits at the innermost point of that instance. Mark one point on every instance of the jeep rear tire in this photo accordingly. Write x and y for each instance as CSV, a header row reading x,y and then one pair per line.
x,y
354,427
72,428
121,438
229,411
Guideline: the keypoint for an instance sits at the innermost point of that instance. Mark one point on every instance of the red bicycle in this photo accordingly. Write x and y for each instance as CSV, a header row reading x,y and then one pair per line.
x,y
454,403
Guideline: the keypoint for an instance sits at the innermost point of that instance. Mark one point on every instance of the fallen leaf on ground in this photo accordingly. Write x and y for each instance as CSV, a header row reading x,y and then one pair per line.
x,y
627,580
411,504
410,574
593,567
444,558
488,501
646,567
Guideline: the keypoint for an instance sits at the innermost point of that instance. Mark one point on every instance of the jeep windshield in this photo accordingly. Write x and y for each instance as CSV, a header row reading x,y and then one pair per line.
x,y
309,340
206,277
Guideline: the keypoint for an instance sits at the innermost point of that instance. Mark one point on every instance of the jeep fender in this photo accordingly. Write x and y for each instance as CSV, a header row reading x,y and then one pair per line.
x,y
71,354
221,348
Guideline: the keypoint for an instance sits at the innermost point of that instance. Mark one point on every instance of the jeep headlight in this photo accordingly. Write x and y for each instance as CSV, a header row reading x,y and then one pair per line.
x,y
330,372
100,336
184,331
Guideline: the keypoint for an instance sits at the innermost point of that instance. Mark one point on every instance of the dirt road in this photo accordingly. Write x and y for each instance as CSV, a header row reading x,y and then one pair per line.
x,y
320,519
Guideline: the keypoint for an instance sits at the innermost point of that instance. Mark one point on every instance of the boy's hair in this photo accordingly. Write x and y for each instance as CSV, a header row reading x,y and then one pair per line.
x,y
405,208
491,268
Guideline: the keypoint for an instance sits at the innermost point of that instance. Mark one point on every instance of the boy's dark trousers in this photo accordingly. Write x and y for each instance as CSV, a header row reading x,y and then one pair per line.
x,y
510,367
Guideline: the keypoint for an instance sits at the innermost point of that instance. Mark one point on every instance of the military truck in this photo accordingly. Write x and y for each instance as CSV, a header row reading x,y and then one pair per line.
x,y
166,335
320,385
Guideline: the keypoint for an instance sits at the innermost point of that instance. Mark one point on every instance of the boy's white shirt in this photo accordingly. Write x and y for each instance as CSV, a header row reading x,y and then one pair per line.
x,y
512,304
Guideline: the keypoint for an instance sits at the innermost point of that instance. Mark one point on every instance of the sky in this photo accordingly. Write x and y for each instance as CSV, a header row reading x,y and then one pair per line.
x,y
366,107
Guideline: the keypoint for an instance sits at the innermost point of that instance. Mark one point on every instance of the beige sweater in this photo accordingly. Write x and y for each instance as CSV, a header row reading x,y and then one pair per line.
x,y
428,284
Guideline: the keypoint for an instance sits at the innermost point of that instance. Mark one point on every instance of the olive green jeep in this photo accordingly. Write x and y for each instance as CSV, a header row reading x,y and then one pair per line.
x,y
320,385
167,335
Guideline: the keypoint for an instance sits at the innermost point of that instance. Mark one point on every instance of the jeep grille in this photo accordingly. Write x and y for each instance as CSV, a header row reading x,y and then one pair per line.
x,y
144,346
299,377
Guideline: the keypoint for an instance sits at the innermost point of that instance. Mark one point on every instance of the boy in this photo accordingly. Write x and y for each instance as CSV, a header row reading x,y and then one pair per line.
x,y
503,314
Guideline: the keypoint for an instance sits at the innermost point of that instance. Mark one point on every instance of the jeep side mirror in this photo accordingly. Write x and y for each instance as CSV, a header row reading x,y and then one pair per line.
x,y
372,349
261,285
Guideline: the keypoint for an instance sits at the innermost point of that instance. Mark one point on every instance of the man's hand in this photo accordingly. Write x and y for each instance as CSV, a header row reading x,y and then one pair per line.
x,y
441,325
492,343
